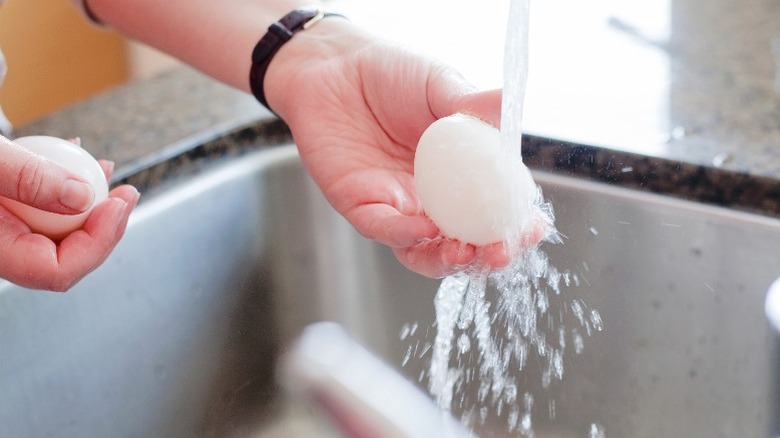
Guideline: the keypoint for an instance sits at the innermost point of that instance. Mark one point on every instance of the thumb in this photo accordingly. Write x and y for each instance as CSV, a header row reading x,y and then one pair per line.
x,y
450,93
41,183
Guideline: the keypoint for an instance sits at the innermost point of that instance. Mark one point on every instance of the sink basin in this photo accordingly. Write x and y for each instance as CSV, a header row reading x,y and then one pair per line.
x,y
178,333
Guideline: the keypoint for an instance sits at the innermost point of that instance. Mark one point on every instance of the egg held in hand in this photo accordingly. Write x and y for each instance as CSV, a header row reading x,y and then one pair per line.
x,y
472,188
77,160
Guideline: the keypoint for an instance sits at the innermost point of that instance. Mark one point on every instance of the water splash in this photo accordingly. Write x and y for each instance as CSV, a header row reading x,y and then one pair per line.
x,y
489,324
448,302
488,327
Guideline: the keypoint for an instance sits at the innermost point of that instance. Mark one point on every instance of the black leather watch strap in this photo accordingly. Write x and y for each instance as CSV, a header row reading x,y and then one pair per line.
x,y
278,34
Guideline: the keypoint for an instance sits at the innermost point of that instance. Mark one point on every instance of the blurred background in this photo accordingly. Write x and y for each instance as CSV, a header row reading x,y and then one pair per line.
x,y
57,57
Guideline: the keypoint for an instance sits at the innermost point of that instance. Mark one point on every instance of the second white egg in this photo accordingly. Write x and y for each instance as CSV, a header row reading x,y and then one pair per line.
x,y
78,161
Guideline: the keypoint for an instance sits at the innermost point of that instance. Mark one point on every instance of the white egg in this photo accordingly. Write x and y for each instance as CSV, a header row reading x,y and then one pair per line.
x,y
468,185
77,160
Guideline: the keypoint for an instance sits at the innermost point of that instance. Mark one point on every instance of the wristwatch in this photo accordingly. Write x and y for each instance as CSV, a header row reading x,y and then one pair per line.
x,y
278,34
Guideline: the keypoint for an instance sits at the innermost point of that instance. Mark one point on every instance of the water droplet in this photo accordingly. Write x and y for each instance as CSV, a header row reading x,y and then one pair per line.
x,y
404,331
576,307
595,319
551,409
407,355
512,419
426,348
408,330
464,344
678,133
596,431
557,361
721,159
579,343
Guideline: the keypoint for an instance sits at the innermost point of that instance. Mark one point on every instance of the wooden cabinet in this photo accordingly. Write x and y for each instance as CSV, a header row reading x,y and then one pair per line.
x,y
55,57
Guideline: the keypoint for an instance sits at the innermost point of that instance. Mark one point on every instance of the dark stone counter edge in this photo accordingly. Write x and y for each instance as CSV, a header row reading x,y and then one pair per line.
x,y
709,185
194,155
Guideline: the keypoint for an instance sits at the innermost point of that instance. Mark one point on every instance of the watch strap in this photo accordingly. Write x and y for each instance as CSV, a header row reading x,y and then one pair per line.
x,y
277,35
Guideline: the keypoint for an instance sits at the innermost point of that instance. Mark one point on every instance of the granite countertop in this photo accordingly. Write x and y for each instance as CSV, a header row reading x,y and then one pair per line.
x,y
681,98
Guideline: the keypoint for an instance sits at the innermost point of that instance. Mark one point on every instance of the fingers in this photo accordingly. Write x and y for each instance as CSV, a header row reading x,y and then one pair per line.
x,y
383,223
40,263
450,93
84,250
436,258
108,168
417,245
440,257
484,105
41,183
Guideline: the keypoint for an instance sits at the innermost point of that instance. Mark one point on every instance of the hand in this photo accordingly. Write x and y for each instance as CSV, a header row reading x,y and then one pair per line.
x,y
356,108
35,261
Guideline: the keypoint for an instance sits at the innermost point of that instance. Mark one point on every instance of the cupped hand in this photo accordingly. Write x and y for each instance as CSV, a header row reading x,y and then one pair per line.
x,y
357,107
35,261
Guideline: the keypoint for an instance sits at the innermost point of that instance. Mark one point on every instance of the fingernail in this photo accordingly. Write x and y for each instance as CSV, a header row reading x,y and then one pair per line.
x,y
108,166
77,195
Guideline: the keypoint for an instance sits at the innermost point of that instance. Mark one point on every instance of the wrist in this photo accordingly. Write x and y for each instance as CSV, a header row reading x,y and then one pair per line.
x,y
278,34
301,60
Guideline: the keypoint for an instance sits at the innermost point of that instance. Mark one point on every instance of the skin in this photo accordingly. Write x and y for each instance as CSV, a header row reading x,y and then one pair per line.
x,y
39,262
356,106
367,104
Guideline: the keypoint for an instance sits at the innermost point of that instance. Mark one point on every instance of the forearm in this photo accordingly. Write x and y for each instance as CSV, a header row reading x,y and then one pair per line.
x,y
217,38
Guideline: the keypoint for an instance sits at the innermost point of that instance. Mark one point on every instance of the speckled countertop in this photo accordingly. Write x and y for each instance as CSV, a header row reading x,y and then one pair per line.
x,y
679,97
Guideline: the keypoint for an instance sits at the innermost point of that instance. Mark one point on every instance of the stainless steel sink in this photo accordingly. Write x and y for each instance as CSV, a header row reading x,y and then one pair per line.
x,y
178,333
